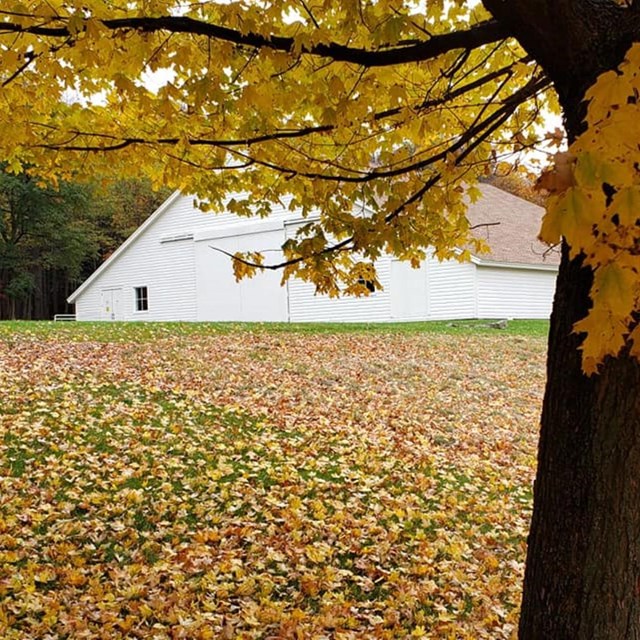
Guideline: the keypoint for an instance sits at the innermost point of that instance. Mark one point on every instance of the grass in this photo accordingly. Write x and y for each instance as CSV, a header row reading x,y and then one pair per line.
x,y
122,331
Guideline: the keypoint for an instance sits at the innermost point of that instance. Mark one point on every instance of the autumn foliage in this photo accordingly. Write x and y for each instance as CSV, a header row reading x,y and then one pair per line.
x,y
400,106
325,104
182,483
595,205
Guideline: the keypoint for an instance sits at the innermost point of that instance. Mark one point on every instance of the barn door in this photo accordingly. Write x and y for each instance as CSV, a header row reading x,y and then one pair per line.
x,y
111,304
408,291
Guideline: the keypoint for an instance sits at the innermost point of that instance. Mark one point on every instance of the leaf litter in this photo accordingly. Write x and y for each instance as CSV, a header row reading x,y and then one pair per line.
x,y
255,485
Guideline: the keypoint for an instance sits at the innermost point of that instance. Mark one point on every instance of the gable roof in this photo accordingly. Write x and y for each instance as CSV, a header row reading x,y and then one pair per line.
x,y
510,225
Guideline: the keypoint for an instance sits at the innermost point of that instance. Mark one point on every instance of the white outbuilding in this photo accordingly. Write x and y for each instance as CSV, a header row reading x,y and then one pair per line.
x,y
168,270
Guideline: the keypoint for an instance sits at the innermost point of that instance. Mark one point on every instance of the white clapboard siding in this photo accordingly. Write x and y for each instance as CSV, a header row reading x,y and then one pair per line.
x,y
505,292
279,211
307,306
159,256
451,287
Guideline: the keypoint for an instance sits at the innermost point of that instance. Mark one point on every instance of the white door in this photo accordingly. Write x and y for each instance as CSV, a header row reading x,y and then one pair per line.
x,y
408,291
111,304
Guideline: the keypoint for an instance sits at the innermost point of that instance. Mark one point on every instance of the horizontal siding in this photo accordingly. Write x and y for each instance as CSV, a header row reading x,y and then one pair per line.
x,y
515,293
451,289
215,220
187,280
182,217
167,269
306,306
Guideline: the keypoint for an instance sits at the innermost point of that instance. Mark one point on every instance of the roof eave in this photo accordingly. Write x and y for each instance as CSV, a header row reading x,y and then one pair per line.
x,y
514,265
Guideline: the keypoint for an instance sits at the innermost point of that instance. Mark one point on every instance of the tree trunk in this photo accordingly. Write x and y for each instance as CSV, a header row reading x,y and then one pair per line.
x,y
582,580
583,565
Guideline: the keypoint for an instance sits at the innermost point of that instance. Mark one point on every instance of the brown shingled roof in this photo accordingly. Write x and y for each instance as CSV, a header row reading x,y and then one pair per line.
x,y
515,238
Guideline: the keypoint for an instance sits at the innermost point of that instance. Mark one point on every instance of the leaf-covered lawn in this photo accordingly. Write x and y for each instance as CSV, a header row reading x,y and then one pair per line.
x,y
265,485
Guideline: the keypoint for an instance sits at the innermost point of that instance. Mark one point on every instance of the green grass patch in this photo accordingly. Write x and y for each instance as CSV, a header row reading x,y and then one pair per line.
x,y
152,331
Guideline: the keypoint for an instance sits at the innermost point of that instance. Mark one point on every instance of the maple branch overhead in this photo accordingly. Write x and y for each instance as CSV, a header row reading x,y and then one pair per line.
x,y
534,86
476,36
123,142
348,244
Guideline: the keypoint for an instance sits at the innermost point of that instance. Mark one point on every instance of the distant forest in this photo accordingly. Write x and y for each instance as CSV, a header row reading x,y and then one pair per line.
x,y
52,237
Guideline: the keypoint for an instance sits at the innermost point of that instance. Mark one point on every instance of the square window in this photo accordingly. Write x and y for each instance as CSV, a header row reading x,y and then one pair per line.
x,y
142,299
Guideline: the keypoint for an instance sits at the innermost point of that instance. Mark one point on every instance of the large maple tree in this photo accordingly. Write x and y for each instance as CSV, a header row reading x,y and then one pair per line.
x,y
398,105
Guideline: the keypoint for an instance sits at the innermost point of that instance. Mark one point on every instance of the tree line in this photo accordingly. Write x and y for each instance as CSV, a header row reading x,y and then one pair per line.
x,y
53,236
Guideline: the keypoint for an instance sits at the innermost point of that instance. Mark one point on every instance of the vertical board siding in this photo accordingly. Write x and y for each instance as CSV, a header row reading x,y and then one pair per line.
x,y
221,298
515,293
408,291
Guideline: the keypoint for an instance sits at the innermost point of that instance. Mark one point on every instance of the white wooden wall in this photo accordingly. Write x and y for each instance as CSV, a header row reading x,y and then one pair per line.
x,y
188,280
408,296
219,296
165,267
451,287
306,306
515,293
435,291
163,258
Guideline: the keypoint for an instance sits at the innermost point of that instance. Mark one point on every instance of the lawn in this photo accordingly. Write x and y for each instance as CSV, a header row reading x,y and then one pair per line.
x,y
207,481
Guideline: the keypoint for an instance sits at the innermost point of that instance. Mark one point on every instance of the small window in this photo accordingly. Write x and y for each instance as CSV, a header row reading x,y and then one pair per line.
x,y
142,299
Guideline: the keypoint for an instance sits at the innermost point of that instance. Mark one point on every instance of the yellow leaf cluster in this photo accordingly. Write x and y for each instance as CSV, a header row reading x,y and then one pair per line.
x,y
595,205
210,116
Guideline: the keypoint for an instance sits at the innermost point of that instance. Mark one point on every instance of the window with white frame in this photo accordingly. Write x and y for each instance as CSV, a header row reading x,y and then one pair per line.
x,y
142,298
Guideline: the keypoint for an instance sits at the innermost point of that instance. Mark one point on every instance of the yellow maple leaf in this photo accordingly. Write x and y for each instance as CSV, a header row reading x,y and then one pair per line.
x,y
626,205
615,289
611,90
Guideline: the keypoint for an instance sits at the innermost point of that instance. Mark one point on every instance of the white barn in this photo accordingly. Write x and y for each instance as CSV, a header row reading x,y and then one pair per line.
x,y
167,270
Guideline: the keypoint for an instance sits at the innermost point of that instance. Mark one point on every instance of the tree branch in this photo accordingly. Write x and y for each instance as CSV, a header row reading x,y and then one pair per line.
x,y
344,244
476,36
121,143
536,84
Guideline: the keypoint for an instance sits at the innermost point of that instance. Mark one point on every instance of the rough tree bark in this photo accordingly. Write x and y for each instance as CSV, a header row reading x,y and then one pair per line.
x,y
583,563
582,578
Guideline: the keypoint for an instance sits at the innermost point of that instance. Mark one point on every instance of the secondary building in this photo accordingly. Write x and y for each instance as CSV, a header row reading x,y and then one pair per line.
x,y
169,269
